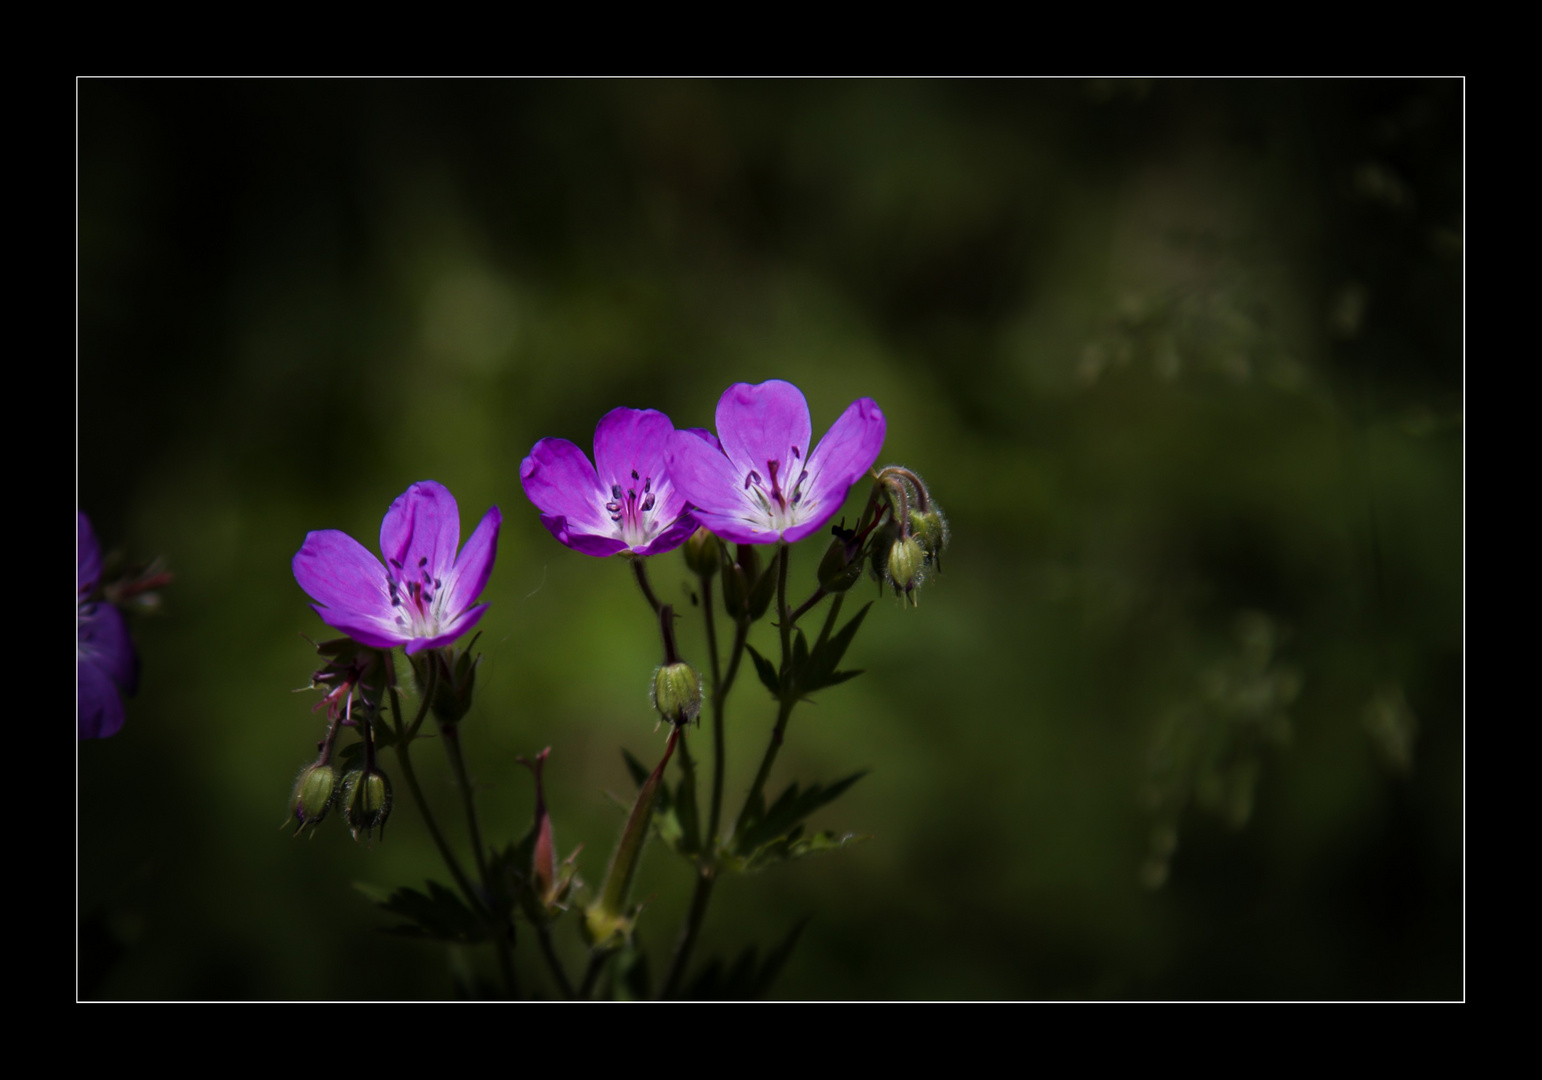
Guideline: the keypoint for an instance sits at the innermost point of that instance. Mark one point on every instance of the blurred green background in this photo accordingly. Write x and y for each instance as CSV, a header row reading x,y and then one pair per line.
x,y
1182,361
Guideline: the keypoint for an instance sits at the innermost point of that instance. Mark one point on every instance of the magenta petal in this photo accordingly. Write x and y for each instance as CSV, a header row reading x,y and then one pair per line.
x,y
560,481
102,639
340,574
88,555
377,633
842,457
761,423
707,479
627,441
585,543
736,528
474,563
421,531
100,708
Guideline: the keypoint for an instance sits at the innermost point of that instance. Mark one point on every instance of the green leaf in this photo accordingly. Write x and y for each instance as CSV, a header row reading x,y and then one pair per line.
x,y
639,771
788,810
439,914
789,847
799,658
835,679
827,654
766,672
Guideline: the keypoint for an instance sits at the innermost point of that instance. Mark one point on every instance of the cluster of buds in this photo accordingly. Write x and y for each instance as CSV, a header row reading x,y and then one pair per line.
x,y
901,538
351,679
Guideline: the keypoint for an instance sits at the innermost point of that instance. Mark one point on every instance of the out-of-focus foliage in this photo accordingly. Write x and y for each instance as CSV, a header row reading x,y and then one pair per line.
x,y
1182,360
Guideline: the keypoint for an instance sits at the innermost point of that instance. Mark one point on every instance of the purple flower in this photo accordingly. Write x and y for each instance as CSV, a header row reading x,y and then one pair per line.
x,y
765,483
106,665
625,501
423,595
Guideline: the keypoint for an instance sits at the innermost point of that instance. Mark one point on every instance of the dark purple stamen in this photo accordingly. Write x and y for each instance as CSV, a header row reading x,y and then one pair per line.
x,y
626,508
775,494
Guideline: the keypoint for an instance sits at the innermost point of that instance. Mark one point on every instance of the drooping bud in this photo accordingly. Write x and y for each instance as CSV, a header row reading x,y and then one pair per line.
x,y
703,552
930,529
907,563
677,693
366,800
840,568
312,796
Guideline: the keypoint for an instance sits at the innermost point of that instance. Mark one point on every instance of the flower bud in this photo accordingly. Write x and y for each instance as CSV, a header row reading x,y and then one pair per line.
x,y
931,530
312,796
366,801
878,552
838,570
455,684
703,552
906,564
677,693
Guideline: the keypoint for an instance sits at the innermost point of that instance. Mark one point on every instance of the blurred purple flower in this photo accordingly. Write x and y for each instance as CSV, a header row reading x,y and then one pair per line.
x,y
423,595
764,483
106,665
625,501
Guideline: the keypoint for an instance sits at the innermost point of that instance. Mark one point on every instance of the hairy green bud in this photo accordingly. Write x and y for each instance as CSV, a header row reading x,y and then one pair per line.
x,y
677,693
312,796
703,552
906,565
366,801
931,531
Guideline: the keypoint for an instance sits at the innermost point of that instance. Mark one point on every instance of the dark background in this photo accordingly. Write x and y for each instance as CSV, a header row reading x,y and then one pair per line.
x,y
1181,360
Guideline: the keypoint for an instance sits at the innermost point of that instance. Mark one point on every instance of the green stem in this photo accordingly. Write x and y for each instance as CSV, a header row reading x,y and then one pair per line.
x,y
719,704
754,797
592,973
473,898
639,568
705,879
451,739
706,604
789,699
403,756
543,937
502,927
784,621
707,873
803,608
